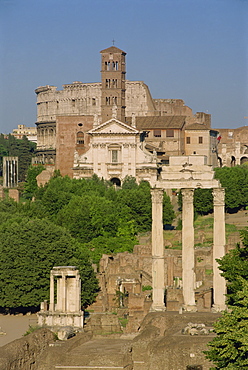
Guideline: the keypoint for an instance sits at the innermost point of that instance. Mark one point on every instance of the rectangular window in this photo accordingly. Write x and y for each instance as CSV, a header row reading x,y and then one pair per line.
x,y
114,156
157,133
200,140
187,140
169,133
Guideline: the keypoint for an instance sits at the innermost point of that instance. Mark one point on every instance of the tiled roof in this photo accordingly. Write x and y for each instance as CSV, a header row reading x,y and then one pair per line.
x,y
158,122
112,49
197,126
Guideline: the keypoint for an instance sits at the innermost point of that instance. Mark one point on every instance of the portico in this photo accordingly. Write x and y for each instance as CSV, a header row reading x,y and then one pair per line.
x,y
187,174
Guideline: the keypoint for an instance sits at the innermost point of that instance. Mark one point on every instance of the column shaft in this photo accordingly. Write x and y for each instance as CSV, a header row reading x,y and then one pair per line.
x,y
188,259
157,250
51,306
219,284
63,280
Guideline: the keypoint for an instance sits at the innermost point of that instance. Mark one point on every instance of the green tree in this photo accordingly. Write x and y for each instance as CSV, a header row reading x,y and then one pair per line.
x,y
203,201
124,240
168,212
229,349
129,183
31,186
235,265
235,182
29,248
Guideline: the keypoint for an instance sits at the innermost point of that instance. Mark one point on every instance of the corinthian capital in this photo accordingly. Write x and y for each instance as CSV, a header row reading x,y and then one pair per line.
x,y
157,195
219,196
188,195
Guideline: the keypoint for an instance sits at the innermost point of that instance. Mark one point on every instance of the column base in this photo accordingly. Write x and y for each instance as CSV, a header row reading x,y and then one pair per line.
x,y
218,308
189,308
158,309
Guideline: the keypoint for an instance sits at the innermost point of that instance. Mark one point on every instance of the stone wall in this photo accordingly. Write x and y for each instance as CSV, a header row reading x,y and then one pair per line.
x,y
134,271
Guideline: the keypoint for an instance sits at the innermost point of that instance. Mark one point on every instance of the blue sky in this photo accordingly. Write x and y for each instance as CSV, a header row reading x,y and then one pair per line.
x,y
195,50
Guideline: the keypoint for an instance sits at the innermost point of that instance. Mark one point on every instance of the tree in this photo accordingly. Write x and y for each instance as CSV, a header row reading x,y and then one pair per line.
x,y
234,265
129,183
235,182
168,212
124,240
31,186
203,201
29,248
229,349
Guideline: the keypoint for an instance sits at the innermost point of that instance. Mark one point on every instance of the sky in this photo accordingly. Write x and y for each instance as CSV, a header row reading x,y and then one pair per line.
x,y
195,50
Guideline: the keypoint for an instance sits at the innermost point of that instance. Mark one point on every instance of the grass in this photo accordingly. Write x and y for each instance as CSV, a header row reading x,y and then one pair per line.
x,y
31,329
146,287
209,271
203,227
123,321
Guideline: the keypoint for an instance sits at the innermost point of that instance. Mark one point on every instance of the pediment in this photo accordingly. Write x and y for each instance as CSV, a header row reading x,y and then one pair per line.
x,y
113,126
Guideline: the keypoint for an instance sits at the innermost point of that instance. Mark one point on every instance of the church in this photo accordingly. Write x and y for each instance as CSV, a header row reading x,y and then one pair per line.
x,y
114,128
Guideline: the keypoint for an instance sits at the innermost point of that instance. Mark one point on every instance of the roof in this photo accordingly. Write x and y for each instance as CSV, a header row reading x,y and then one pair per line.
x,y
112,49
197,126
158,122
125,129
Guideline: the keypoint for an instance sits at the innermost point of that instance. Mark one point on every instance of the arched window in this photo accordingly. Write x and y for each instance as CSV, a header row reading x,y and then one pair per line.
x,y
80,138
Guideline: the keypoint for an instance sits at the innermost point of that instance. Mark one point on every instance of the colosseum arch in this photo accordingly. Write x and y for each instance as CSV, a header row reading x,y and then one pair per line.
x,y
243,160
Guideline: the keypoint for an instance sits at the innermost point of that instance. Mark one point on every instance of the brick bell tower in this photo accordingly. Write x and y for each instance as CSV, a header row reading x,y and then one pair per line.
x,y
113,72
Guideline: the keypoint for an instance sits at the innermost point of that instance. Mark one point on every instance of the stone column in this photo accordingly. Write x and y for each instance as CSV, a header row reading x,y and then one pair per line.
x,y
63,290
219,284
188,259
51,306
78,293
157,251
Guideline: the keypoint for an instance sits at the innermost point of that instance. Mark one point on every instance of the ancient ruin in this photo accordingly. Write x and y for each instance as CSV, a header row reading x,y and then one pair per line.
x,y
187,174
10,172
66,310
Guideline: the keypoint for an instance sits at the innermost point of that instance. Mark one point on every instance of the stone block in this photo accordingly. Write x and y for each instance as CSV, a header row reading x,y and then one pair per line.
x,y
14,194
173,305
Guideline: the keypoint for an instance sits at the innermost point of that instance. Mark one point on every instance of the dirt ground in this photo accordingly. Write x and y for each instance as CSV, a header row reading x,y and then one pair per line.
x,y
15,326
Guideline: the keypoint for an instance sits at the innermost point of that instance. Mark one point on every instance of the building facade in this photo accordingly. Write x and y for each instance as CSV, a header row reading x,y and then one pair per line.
x,y
29,132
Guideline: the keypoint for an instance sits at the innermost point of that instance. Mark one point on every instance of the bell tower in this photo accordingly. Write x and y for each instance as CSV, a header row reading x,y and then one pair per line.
x,y
113,72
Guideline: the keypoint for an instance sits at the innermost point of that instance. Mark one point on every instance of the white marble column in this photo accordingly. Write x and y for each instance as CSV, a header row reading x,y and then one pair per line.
x,y
51,305
188,259
63,289
219,284
78,293
157,251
